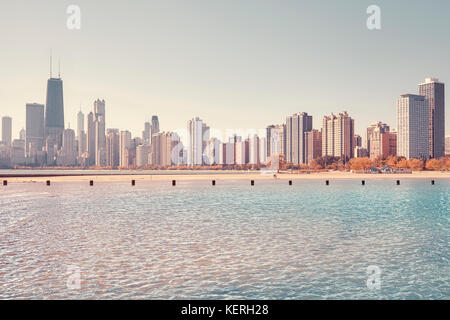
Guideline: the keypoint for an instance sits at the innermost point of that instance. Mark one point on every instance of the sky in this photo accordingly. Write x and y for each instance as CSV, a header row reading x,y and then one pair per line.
x,y
237,64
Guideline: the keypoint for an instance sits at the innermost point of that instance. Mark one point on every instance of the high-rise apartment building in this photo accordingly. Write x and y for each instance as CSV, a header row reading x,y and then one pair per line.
x,y
241,149
254,152
35,127
7,130
278,139
125,144
338,135
262,150
378,140
198,136
213,151
447,145
296,126
227,155
413,126
434,92
313,145
161,148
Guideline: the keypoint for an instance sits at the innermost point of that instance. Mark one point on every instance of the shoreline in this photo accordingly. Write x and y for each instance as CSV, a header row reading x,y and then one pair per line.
x,y
255,175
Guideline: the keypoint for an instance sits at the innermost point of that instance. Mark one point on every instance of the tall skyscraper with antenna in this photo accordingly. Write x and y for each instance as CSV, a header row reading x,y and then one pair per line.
x,y
54,109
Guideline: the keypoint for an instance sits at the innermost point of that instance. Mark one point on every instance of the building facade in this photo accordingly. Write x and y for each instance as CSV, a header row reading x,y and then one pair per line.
x,y
413,126
434,92
338,135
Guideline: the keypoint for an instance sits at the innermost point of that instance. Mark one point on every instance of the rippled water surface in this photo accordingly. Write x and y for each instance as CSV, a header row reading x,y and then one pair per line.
x,y
269,241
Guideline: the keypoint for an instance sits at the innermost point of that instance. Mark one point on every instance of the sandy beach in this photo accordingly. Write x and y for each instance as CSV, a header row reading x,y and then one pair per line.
x,y
180,176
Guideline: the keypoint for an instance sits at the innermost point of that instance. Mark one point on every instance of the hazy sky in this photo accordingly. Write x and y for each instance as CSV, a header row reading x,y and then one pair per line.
x,y
234,63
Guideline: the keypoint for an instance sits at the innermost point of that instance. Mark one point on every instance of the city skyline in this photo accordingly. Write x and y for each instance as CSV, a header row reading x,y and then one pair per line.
x,y
46,141
273,67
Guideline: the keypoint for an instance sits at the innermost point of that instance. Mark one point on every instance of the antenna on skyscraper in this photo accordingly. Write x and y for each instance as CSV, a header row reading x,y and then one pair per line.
x,y
59,68
50,63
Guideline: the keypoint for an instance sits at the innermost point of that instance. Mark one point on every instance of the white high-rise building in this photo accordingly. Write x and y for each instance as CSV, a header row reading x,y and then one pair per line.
x,y
125,144
413,126
277,139
198,136
241,148
254,145
262,150
213,151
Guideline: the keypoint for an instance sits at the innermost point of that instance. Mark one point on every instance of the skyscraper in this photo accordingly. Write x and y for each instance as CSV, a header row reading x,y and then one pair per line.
x,y
18,152
254,152
147,133
296,126
91,138
378,140
142,155
268,139
35,127
434,92
241,149
125,144
213,151
7,130
161,148
338,135
54,110
112,148
100,136
262,150
278,139
413,126
81,134
198,136
155,124
80,122
67,154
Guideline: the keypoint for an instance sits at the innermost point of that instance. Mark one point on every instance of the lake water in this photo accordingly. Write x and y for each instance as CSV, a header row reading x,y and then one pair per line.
x,y
231,241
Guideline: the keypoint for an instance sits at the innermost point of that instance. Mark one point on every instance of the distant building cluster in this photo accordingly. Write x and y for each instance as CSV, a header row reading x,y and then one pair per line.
x,y
45,141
